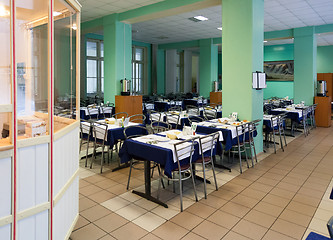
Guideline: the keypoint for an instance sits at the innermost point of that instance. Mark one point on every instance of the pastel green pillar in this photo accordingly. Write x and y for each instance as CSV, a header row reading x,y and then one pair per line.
x,y
242,54
207,66
160,68
117,55
305,67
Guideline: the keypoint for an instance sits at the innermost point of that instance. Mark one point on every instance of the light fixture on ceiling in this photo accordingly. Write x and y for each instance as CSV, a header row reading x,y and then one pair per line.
x,y
74,27
134,31
219,28
198,18
265,41
3,12
56,14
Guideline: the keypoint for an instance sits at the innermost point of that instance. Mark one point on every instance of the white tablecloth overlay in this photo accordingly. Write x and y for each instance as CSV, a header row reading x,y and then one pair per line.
x,y
268,117
299,111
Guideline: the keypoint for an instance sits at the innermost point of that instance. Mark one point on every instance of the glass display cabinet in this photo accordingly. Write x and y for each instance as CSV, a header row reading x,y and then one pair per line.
x,y
39,122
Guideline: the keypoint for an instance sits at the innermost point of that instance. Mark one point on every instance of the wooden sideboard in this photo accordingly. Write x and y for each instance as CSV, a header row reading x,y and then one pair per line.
x,y
215,97
130,104
328,77
323,111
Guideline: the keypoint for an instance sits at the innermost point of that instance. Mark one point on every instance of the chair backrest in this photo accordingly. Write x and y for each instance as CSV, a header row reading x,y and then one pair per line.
x,y
208,142
106,107
252,128
184,149
99,131
175,109
159,126
120,115
173,118
90,110
135,131
138,118
154,115
196,119
210,113
192,110
281,119
85,127
274,121
241,131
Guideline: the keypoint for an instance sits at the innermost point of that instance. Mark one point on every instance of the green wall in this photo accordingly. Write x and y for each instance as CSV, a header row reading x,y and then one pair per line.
x,y
325,59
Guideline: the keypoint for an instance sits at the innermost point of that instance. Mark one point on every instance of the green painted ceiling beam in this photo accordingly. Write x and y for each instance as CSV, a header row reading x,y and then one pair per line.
x,y
179,45
324,28
288,33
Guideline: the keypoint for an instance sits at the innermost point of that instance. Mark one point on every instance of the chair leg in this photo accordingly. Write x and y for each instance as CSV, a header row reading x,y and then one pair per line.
x,y
281,140
254,151
180,191
213,169
246,158
195,190
204,178
250,148
274,141
159,172
102,159
129,174
87,153
240,160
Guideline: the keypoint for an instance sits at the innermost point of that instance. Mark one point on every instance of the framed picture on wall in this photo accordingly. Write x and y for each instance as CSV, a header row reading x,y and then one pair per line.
x,y
279,70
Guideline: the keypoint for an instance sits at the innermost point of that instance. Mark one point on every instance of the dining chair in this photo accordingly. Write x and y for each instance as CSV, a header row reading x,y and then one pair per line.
x,y
207,144
154,115
99,133
175,109
138,118
192,110
209,113
239,147
137,164
173,119
120,115
105,108
160,126
182,150
90,110
276,130
304,121
252,128
85,135
195,119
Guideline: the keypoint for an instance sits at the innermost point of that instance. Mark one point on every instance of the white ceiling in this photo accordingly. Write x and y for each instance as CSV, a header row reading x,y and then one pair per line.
x,y
279,15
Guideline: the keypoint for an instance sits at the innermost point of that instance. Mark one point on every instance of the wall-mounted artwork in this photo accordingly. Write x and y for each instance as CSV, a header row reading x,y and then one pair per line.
x,y
279,70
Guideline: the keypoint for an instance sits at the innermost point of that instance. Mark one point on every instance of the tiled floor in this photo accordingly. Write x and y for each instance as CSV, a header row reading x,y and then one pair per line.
x,y
285,196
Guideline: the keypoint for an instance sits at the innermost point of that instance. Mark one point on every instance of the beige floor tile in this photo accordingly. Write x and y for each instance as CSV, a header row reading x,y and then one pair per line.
x,y
201,210
311,192
252,193
241,181
295,217
245,201
326,205
288,228
101,196
94,213
131,212
81,222
269,209
249,229
94,179
210,230
89,190
110,222
261,187
115,204
88,232
117,189
319,225
235,209
282,193
276,200
166,213
149,221
192,236
288,186
186,220
107,237
312,201
106,183
85,203
129,196
301,208
223,219
129,231
225,194
233,236
323,214
272,235
83,183
213,201
232,187
260,218
146,204
150,236
170,230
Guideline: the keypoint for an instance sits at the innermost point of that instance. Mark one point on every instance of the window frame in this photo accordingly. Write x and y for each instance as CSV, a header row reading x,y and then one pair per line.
x,y
144,78
99,74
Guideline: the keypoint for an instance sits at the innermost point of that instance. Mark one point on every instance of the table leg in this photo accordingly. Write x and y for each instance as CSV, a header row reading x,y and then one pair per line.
x,y
147,194
220,165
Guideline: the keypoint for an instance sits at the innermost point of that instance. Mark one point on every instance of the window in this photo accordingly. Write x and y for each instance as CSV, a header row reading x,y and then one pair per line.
x,y
95,67
138,69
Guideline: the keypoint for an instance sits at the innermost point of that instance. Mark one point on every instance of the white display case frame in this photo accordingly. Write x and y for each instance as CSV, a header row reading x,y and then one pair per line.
x,y
39,177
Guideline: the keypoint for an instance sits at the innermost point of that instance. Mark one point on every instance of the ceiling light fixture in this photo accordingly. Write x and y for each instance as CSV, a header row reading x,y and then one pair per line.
x,y
219,28
74,27
265,41
56,14
3,12
201,18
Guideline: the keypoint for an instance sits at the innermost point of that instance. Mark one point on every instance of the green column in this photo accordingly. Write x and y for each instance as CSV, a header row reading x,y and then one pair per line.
x,y
305,67
207,66
160,69
117,55
242,54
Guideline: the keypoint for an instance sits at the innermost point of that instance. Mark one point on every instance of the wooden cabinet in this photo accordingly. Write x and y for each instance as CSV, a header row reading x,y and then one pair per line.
x,y
215,97
130,104
328,77
323,111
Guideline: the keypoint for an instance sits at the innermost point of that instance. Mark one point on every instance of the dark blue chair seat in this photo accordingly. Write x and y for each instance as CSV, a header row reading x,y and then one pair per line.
x,y
316,236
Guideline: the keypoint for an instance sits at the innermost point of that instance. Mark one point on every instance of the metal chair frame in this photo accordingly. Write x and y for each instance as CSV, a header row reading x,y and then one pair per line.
x,y
138,118
103,130
240,146
160,126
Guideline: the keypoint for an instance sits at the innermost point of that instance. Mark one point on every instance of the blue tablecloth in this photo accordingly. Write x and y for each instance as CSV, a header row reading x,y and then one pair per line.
x,y
291,115
218,114
84,116
164,157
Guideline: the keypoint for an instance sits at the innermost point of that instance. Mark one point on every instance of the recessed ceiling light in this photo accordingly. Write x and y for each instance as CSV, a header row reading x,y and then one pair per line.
x,y
56,14
3,12
219,28
201,18
74,27
265,41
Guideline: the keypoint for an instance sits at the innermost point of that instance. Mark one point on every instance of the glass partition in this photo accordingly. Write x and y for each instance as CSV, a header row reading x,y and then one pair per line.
x,y
5,60
31,48
65,27
5,129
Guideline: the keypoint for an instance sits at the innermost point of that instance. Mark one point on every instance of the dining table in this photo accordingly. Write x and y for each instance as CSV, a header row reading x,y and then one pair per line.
x,y
158,148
